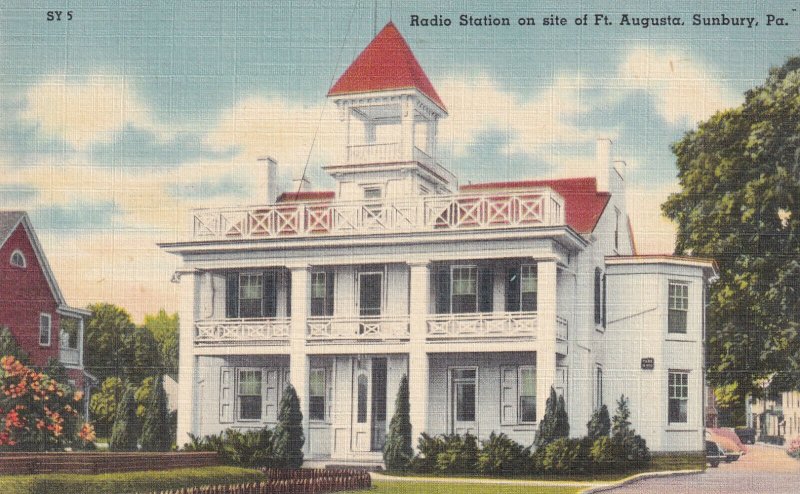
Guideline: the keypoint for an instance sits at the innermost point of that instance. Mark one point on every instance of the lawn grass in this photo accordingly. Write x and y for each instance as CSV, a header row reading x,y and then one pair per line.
x,y
404,487
127,482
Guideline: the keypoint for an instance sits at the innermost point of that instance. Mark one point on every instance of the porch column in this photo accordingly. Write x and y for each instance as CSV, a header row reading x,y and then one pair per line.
x,y
406,129
546,335
417,356
298,358
189,291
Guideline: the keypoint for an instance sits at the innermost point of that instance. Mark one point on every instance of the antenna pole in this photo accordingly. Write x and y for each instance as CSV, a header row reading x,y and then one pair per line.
x,y
375,18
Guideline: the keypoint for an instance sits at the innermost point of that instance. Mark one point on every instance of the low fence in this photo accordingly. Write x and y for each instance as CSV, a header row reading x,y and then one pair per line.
x,y
94,463
283,481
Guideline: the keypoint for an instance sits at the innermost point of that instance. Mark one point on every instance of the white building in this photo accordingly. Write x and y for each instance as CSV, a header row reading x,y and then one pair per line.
x,y
486,295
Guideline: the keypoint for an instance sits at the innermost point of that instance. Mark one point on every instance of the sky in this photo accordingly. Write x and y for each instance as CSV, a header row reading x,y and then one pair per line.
x,y
115,123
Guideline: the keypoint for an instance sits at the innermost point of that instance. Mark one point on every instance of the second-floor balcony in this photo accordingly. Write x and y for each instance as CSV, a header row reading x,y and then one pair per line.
x,y
69,356
530,208
271,330
363,328
482,325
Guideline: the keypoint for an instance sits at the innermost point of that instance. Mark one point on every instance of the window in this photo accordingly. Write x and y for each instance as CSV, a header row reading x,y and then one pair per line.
x,y
678,397
251,291
253,294
528,287
598,387
322,293
249,395
316,394
463,393
373,192
361,405
598,297
678,307
45,329
527,394
464,289
18,259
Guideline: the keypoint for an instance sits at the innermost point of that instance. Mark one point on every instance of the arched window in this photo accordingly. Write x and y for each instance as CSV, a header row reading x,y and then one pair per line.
x,y
18,259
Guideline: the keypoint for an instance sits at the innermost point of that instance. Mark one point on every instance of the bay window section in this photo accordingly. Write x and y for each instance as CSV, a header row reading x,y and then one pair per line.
x,y
678,394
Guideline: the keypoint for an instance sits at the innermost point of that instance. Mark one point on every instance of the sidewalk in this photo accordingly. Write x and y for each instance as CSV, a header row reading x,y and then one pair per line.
x,y
589,486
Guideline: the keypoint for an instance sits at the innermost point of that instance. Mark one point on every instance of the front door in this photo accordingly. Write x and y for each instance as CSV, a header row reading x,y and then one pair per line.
x,y
369,404
463,395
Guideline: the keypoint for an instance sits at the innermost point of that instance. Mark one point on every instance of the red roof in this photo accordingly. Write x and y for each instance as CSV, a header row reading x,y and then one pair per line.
x,y
582,202
387,63
310,195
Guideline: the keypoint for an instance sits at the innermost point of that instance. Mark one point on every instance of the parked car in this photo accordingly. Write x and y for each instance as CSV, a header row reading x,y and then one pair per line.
x,y
714,454
746,434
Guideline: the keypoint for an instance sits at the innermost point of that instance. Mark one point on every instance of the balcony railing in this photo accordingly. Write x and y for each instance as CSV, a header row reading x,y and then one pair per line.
x,y
377,328
482,325
264,330
360,154
69,356
539,207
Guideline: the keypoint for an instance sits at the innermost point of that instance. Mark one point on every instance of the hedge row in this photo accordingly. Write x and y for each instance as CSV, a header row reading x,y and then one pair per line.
x,y
290,482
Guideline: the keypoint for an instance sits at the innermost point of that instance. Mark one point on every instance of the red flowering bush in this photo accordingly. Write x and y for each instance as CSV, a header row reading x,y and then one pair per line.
x,y
793,449
37,412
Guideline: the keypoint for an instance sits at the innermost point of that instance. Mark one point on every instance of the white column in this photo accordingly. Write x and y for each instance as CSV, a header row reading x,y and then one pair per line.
x,y
418,377
298,358
189,293
80,342
546,335
431,138
407,129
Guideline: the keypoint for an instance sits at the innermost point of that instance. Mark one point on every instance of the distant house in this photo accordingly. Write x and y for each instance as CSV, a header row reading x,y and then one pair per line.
x,y
32,306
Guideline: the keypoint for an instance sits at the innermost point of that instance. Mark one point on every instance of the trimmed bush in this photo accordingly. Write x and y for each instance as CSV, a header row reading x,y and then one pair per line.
x,y
125,433
398,452
429,448
500,455
156,434
554,423
288,436
254,449
630,449
600,424
565,456
602,456
460,454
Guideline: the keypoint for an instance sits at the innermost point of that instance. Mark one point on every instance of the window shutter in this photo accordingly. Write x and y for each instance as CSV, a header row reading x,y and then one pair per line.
x,y
485,289
512,290
226,395
288,275
598,296
329,293
508,395
270,295
605,302
232,295
443,290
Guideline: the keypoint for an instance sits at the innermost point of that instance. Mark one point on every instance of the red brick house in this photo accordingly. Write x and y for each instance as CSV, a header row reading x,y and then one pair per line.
x,y
32,306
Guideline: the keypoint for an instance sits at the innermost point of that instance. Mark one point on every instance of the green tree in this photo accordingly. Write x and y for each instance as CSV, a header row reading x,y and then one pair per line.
x,y
107,338
9,346
288,436
156,434
550,427
739,173
103,405
398,451
599,424
164,328
630,449
146,359
125,432
562,419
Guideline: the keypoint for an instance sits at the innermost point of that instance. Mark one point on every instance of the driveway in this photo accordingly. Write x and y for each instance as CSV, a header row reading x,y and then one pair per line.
x,y
763,470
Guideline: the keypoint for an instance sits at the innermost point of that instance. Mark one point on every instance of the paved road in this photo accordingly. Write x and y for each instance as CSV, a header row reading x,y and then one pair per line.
x,y
763,470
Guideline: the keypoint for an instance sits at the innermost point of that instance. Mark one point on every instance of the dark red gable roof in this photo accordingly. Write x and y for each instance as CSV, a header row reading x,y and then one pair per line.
x,y
582,202
311,195
386,63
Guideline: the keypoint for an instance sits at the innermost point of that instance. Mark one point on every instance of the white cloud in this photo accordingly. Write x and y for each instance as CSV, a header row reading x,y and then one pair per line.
x,y
684,91
87,110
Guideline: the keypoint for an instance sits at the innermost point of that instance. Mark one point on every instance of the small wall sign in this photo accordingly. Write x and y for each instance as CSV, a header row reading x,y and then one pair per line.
x,y
648,363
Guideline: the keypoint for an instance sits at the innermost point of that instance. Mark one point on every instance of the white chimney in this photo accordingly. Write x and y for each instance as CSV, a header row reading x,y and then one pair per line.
x,y
603,164
272,178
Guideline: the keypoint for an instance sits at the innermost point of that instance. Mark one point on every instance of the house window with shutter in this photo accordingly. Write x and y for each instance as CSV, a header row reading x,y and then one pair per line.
x,y
316,394
522,288
518,394
322,293
527,394
248,394
464,296
251,294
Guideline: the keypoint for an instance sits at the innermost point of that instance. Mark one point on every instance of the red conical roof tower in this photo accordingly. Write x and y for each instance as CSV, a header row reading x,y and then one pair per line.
x,y
386,64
